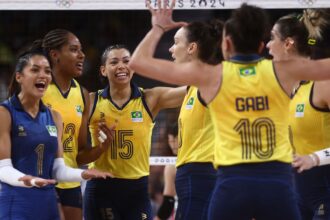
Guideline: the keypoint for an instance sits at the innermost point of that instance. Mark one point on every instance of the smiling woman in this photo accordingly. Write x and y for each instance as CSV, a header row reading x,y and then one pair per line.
x,y
133,110
66,96
30,147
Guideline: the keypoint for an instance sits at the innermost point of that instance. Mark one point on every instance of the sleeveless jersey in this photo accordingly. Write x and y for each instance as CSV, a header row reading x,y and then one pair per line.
x,y
196,135
310,125
34,143
128,154
71,106
250,114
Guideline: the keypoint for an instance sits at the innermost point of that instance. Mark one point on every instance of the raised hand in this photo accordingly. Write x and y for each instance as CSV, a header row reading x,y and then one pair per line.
x,y
36,181
93,173
162,17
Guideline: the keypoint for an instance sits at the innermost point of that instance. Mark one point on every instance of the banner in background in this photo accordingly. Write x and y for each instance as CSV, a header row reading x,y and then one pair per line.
x,y
140,4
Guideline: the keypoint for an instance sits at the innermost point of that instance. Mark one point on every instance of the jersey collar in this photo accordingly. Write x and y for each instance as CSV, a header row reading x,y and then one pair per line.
x,y
250,58
18,105
136,93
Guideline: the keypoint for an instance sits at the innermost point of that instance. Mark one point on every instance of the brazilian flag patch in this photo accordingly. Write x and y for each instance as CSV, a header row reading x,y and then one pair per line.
x,y
247,71
79,110
300,110
137,116
52,130
190,103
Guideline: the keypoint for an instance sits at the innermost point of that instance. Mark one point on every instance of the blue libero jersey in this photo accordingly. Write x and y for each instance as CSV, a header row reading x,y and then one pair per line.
x,y
34,140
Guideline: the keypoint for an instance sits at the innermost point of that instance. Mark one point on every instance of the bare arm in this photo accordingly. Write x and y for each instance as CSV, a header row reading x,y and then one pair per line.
x,y
9,174
63,173
169,180
292,71
321,93
164,97
87,153
59,126
5,127
145,64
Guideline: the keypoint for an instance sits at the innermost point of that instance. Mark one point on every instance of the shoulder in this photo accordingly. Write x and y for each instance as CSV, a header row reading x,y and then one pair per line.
x,y
4,113
5,117
56,117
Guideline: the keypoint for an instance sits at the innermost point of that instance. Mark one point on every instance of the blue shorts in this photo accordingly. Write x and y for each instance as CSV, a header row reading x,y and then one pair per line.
x,y
313,190
194,185
263,191
19,203
70,197
114,198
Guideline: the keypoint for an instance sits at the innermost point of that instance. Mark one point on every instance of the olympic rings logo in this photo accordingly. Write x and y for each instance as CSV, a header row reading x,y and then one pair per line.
x,y
307,2
64,3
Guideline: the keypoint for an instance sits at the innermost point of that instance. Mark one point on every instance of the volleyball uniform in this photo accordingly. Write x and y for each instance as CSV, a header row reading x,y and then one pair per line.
x,y
195,177
71,107
34,147
252,150
126,195
310,127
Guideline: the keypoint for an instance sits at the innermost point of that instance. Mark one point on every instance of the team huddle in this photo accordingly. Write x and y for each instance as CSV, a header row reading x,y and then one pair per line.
x,y
253,133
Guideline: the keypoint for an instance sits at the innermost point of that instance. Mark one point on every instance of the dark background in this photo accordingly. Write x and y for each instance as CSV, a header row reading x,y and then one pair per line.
x,y
96,30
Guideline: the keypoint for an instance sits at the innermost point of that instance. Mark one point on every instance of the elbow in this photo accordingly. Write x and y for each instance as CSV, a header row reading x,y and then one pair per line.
x,y
133,64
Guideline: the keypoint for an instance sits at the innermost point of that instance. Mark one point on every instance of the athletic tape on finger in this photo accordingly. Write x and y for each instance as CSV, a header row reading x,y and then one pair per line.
x,y
103,135
101,140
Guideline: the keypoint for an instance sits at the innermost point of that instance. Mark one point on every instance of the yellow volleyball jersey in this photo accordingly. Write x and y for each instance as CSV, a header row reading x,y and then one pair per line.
x,y
310,125
196,135
250,114
128,155
71,106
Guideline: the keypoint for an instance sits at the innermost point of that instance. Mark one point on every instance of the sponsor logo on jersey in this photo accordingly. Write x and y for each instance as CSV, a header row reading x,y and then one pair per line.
x,y
144,216
190,103
52,130
137,116
300,110
247,71
21,131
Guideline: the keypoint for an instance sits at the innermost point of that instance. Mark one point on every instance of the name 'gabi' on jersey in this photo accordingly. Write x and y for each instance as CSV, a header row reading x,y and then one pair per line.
x,y
258,103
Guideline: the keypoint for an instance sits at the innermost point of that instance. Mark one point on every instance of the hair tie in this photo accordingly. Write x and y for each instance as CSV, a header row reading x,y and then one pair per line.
x,y
311,41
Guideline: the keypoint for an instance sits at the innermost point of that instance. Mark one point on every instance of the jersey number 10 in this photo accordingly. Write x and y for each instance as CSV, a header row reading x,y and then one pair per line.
x,y
253,140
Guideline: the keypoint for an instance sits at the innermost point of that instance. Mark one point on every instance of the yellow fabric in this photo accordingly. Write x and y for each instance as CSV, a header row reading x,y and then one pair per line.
x,y
310,126
71,109
250,115
196,135
128,155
